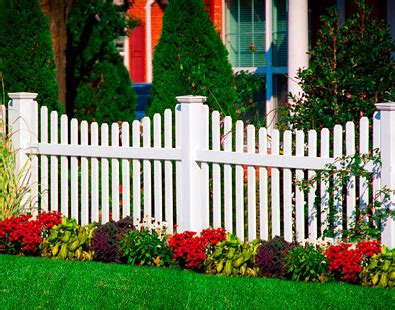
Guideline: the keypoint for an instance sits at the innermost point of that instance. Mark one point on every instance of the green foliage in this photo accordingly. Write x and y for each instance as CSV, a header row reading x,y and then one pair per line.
x,y
369,217
247,85
232,257
98,84
350,70
26,56
381,270
69,240
190,59
307,263
146,248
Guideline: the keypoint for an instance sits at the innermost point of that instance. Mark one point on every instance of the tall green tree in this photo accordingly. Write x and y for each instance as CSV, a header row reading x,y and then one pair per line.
x,y
98,84
350,70
190,59
26,56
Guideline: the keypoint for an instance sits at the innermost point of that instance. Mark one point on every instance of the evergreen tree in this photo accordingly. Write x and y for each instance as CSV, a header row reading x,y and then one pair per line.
x,y
350,70
190,59
98,84
26,56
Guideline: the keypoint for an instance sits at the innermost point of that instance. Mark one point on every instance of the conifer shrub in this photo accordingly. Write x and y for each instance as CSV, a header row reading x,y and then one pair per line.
x,y
26,55
98,84
190,59
350,70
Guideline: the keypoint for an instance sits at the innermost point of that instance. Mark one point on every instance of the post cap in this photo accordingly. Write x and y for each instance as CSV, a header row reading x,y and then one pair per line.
x,y
191,99
22,95
385,106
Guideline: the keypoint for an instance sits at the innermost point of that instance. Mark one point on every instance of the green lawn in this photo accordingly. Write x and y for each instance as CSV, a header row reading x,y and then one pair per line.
x,y
29,282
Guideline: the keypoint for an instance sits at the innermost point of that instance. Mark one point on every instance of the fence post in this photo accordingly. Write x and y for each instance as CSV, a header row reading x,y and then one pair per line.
x,y
387,151
23,123
191,141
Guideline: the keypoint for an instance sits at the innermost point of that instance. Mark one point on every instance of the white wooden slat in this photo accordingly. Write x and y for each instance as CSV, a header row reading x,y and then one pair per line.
x,y
115,174
94,175
216,142
275,145
251,186
324,194
54,163
125,139
287,190
157,169
105,203
136,133
205,168
168,172
239,182
74,198
299,194
44,160
64,168
34,163
147,168
376,146
363,149
337,192
84,177
263,198
311,209
178,166
228,184
351,195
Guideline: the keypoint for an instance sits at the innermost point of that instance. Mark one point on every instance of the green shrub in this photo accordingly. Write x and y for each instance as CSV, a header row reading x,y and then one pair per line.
x,y
190,59
232,257
350,70
98,84
26,56
69,240
146,248
307,263
381,270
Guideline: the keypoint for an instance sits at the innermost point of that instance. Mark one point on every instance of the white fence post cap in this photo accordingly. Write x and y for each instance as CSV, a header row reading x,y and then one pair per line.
x,y
22,95
191,99
385,106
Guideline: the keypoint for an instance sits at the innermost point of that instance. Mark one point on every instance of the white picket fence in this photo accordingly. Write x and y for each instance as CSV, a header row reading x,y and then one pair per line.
x,y
196,170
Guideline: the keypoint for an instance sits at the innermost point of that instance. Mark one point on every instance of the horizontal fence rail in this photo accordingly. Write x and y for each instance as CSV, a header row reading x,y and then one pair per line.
x,y
196,168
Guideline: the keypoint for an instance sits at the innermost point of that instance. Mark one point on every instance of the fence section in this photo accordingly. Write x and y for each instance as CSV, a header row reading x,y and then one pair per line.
x,y
196,169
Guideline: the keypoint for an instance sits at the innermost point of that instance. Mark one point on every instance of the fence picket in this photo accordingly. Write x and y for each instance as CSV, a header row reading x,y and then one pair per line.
x,y
147,169
287,189
136,126
205,169
324,184
350,150
275,186
34,163
263,199
363,149
84,177
94,175
115,174
74,198
299,194
228,185
311,209
337,192
54,163
377,167
158,169
44,160
251,185
105,204
216,142
168,172
64,167
178,167
239,182
125,139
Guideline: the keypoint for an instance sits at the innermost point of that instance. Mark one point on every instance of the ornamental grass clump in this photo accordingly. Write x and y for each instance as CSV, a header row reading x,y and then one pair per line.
x,y
270,257
106,240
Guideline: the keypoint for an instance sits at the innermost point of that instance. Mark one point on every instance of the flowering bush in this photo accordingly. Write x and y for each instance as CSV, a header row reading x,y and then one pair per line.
x,y
346,261
22,234
190,249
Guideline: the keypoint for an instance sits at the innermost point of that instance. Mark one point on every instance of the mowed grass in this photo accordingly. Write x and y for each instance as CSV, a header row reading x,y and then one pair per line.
x,y
31,283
